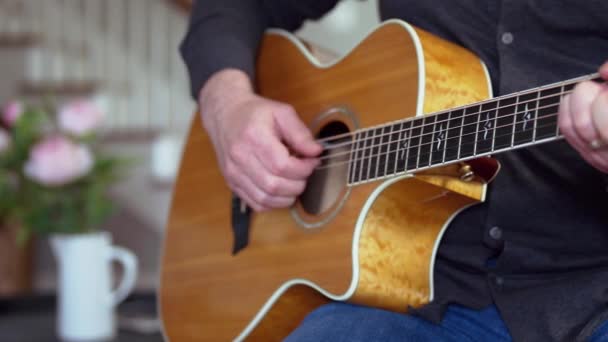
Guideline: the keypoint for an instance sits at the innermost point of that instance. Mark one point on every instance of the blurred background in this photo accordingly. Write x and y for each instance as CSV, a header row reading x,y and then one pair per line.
x,y
122,54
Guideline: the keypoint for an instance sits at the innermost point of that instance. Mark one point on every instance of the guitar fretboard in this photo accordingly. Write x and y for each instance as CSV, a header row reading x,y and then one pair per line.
x,y
489,127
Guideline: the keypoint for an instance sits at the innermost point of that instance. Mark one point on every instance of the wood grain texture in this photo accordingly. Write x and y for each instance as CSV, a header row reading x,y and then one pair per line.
x,y
454,76
404,224
287,313
207,294
396,247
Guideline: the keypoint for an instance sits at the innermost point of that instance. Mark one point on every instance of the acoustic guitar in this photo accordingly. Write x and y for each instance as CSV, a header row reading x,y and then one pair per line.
x,y
407,121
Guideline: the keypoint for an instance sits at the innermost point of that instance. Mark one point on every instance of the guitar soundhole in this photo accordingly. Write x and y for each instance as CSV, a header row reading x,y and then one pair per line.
x,y
326,185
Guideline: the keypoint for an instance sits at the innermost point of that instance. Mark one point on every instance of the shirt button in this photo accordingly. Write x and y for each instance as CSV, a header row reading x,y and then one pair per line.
x,y
499,281
507,38
496,233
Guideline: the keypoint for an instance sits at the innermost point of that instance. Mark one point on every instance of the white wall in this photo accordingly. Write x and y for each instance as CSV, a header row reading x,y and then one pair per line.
x,y
344,27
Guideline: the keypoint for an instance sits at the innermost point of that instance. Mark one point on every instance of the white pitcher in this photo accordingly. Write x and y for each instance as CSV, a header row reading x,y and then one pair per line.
x,y
86,303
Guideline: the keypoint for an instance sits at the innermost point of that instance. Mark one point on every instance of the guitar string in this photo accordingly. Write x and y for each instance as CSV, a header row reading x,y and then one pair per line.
x,y
418,168
459,157
423,135
468,106
472,155
426,125
346,161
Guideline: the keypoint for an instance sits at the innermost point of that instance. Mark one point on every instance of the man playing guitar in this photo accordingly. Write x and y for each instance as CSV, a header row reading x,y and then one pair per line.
x,y
529,264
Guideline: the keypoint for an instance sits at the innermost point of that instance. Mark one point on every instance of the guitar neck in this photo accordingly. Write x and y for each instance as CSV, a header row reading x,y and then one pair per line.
x,y
498,125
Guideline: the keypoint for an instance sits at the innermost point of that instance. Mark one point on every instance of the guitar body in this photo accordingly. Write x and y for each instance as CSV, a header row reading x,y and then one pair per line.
x,y
372,244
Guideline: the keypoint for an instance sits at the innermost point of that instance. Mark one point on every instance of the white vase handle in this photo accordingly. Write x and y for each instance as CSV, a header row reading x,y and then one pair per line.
x,y
129,263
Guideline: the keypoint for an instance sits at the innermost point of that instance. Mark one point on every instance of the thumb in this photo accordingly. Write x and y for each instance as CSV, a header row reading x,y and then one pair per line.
x,y
295,133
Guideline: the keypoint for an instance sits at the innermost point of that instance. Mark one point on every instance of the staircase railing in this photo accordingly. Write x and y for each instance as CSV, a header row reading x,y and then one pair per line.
x,y
123,53
184,4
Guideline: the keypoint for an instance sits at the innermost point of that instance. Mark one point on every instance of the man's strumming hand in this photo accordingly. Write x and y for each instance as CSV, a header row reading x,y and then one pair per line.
x,y
253,137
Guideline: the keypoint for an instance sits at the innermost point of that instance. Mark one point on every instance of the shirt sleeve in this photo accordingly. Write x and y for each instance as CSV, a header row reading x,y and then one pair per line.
x,y
226,33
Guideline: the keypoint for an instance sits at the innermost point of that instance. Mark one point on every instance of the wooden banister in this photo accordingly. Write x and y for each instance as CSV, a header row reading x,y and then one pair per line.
x,y
186,5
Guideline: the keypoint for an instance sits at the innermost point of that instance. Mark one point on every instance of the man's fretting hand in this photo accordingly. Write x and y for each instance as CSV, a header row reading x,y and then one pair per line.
x,y
253,137
583,119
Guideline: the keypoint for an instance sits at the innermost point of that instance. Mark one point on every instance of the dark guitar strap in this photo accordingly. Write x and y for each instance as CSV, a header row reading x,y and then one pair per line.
x,y
241,219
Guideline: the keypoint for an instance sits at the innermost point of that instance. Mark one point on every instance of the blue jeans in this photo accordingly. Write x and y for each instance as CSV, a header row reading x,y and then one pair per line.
x,y
337,322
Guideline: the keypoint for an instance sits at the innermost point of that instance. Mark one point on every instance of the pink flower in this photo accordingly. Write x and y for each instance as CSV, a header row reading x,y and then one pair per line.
x,y
5,141
12,112
80,117
57,161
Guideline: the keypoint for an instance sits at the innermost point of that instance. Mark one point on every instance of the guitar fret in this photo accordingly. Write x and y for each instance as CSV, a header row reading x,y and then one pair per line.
x,y
469,132
535,124
368,153
386,154
452,145
375,154
406,144
352,159
447,134
494,131
460,135
526,111
476,131
399,151
383,157
418,135
514,121
399,132
568,87
426,141
355,151
505,123
562,90
439,141
433,139
486,128
538,106
361,152
371,166
548,107
475,141
413,148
